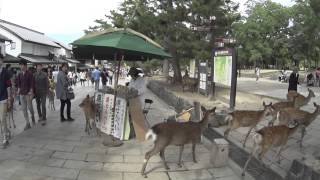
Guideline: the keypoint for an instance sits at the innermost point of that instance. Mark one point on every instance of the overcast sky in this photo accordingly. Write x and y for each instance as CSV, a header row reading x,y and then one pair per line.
x,y
63,20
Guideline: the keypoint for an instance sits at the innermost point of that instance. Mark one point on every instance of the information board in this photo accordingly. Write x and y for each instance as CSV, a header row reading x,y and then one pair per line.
x,y
223,67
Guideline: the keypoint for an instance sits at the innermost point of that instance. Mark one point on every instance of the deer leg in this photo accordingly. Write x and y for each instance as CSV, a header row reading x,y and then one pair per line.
x,y
253,152
245,140
194,153
180,156
13,123
277,155
303,133
164,160
158,146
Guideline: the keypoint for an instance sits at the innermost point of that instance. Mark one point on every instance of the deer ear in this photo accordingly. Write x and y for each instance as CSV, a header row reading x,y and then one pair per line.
x,y
203,109
270,104
88,96
263,103
315,104
213,109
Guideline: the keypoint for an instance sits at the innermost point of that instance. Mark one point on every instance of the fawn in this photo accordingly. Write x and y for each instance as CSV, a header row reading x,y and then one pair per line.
x,y
89,108
300,99
268,137
244,118
175,133
304,118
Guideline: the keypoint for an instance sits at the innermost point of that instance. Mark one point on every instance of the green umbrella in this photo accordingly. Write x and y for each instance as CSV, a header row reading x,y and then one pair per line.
x,y
133,45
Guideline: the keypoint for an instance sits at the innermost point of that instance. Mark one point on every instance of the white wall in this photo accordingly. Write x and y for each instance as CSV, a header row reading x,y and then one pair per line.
x,y
15,52
37,49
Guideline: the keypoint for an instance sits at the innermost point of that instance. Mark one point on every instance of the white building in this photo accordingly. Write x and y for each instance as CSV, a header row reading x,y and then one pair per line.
x,y
32,45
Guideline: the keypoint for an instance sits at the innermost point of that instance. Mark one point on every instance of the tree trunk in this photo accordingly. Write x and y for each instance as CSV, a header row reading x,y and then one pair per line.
x,y
165,68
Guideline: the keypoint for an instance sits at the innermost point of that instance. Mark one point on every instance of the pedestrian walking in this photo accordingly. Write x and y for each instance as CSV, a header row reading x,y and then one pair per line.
x,y
82,78
61,92
104,77
293,80
25,86
5,99
110,74
41,86
257,71
96,77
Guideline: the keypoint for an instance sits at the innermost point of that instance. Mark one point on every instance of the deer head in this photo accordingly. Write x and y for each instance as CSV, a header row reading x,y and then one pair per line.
x,y
86,101
208,115
268,109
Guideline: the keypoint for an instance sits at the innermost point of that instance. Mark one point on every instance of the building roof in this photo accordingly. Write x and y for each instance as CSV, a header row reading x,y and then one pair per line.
x,y
37,59
4,38
10,59
65,46
27,34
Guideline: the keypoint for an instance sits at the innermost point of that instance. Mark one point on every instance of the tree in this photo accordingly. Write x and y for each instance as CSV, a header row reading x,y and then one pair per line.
x,y
169,22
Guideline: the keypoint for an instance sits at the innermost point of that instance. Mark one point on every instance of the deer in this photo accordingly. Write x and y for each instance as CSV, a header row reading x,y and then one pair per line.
x,y
304,118
300,99
191,83
10,113
175,133
244,118
281,105
169,79
89,108
269,137
51,95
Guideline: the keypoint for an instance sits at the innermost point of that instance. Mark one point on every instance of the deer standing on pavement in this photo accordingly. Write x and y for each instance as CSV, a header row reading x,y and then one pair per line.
x,y
89,108
191,83
175,133
300,99
304,118
243,118
281,105
268,137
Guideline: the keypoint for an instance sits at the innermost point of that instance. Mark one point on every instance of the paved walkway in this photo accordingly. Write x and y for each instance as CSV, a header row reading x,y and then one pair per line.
x,y
311,149
62,151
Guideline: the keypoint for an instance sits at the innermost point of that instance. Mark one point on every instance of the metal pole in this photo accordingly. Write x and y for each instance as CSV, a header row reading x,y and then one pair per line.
x,y
233,90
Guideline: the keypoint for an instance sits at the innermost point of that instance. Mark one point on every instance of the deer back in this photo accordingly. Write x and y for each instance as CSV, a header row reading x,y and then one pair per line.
x,y
247,118
275,135
177,133
287,115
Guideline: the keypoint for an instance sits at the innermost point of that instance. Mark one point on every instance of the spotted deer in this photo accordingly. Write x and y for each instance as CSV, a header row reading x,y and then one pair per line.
x,y
281,105
304,118
299,98
269,137
244,118
175,133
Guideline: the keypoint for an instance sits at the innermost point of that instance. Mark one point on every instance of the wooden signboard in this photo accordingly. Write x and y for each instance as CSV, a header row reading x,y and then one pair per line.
x,y
138,119
104,115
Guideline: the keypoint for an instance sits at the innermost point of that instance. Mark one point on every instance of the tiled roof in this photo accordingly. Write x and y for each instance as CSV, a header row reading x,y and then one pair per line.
x,y
65,46
27,34
4,38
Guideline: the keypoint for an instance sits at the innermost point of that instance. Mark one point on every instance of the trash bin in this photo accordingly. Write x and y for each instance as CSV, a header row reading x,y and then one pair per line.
x,y
219,153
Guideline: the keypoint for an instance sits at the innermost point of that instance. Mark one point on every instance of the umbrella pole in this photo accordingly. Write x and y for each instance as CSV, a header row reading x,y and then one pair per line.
x,y
116,85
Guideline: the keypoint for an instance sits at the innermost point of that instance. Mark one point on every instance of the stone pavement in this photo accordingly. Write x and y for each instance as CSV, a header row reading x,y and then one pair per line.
x,y
62,151
310,153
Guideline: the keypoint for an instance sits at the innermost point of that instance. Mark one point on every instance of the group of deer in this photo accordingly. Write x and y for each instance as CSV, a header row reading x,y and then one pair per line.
x,y
289,117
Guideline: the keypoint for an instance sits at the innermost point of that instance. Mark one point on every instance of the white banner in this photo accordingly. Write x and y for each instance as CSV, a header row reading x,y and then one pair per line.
x,y
104,114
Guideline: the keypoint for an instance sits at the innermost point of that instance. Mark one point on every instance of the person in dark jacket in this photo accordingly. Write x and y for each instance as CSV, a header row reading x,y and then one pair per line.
x,y
5,99
293,80
61,93
41,86
25,90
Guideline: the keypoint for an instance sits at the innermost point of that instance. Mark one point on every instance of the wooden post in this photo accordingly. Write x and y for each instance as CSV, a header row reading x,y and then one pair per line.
x,y
197,111
233,90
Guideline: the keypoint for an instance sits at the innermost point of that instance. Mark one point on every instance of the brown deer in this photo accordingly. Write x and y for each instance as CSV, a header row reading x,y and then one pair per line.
x,y
281,105
304,118
51,95
89,108
268,137
244,118
175,133
191,83
300,99
169,79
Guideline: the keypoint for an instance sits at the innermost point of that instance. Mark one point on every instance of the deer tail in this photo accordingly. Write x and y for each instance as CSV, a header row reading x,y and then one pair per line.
x,y
228,119
151,134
